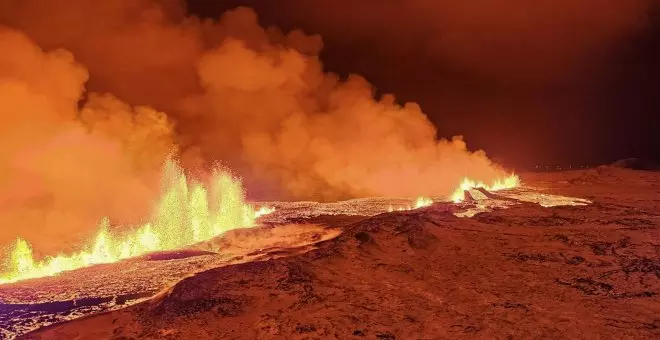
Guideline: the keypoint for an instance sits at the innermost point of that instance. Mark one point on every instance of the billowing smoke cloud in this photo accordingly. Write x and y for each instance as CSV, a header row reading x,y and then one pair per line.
x,y
319,136
513,75
255,98
62,168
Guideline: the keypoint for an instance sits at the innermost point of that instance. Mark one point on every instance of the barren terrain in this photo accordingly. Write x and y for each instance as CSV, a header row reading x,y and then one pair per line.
x,y
528,271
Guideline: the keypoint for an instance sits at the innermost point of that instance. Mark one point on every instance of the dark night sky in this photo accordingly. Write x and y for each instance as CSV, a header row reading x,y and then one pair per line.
x,y
520,114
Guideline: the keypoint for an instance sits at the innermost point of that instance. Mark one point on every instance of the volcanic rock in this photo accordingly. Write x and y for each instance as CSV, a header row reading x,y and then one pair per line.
x,y
524,272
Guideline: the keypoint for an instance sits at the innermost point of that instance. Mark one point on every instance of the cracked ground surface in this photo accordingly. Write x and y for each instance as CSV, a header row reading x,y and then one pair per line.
x,y
578,272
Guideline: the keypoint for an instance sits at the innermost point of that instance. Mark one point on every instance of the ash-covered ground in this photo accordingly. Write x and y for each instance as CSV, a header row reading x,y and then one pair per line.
x,y
515,264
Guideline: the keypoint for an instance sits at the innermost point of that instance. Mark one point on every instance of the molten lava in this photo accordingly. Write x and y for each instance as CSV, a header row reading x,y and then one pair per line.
x,y
187,213
509,182
421,202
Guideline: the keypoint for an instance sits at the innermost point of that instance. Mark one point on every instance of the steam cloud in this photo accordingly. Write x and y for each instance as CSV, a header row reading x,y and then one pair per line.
x,y
94,95
63,167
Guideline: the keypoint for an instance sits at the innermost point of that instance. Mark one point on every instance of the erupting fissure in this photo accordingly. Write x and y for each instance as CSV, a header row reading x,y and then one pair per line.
x,y
510,182
187,213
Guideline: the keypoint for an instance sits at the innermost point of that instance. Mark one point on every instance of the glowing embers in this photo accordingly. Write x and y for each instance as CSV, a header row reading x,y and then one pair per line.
x,y
527,194
421,202
187,213
509,182
265,210
481,200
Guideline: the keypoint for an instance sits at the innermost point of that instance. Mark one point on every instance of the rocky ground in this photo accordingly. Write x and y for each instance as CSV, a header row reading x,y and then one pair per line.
x,y
525,272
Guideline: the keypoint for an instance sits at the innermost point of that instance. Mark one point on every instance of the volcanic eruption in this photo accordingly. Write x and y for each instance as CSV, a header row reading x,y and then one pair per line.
x,y
255,99
187,213
140,145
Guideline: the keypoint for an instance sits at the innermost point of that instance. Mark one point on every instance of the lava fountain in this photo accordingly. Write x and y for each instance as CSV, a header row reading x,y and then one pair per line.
x,y
187,213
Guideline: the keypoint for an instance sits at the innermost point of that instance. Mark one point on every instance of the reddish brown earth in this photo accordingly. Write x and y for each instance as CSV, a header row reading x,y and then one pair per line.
x,y
528,272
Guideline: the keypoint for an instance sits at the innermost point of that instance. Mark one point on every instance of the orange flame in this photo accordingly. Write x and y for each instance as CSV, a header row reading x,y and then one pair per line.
x,y
186,213
509,182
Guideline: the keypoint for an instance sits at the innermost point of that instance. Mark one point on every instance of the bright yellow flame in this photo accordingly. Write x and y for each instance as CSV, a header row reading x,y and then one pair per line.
x,y
423,202
263,211
182,217
509,182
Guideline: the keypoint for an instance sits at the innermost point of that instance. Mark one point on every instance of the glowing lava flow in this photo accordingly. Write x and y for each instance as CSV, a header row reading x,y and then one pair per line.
x,y
421,202
186,213
509,182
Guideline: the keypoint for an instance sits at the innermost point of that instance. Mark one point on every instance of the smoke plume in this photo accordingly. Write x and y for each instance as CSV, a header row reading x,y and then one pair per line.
x,y
94,95
61,167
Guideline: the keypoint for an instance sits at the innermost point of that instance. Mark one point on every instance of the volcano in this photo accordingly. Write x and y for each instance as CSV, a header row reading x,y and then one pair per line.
x,y
529,262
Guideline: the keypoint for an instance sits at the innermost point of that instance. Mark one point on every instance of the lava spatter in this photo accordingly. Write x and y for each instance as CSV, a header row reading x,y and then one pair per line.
x,y
187,213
